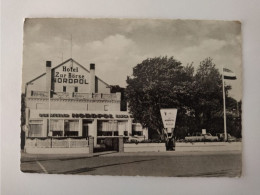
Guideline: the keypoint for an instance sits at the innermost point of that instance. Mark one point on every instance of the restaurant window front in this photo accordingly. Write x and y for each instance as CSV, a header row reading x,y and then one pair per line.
x,y
107,128
56,127
71,127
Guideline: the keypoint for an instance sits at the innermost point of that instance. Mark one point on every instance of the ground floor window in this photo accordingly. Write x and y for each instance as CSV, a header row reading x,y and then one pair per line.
x,y
123,127
35,128
56,127
107,128
138,133
137,129
71,127
60,127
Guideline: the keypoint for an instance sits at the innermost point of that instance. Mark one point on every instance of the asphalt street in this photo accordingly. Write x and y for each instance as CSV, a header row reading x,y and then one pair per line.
x,y
178,164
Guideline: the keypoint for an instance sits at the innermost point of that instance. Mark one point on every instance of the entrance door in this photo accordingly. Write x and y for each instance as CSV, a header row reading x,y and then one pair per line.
x,y
85,127
107,143
85,130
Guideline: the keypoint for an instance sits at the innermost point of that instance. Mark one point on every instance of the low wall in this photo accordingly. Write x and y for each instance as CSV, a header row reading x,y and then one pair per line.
x,y
144,147
57,150
209,146
56,146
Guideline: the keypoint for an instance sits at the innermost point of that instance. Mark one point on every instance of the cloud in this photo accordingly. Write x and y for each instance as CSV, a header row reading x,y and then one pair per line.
x,y
114,55
114,44
196,53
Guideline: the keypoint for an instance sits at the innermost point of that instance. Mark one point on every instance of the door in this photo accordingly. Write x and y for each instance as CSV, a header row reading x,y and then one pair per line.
x,y
85,130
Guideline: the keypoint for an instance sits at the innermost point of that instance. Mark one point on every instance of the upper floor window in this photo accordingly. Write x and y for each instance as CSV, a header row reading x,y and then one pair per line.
x,y
105,107
76,89
64,88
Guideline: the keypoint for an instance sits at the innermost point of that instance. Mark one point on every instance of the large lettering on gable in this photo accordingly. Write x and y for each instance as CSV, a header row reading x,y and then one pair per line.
x,y
70,75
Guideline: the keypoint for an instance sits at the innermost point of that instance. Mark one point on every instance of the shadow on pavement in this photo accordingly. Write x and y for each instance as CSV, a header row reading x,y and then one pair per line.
x,y
87,169
220,173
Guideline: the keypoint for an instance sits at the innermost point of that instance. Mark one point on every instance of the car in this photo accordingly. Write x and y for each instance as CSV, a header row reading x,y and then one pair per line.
x,y
230,138
198,137
136,138
195,137
209,137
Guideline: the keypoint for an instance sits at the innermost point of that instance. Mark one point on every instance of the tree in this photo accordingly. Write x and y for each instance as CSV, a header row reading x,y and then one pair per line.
x,y
163,82
156,83
207,101
207,98
233,112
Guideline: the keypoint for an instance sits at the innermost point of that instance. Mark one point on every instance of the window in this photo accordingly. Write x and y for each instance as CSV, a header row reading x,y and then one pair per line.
x,y
122,127
115,133
35,128
56,127
64,88
137,129
105,107
107,128
76,89
138,133
71,127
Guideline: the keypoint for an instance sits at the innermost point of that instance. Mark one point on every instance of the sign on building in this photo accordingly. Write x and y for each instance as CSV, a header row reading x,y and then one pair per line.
x,y
169,118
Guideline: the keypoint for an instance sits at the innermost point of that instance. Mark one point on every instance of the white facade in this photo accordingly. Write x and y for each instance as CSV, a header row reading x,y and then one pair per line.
x,y
77,103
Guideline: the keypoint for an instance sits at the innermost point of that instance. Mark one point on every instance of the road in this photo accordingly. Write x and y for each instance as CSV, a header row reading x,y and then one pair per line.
x,y
178,164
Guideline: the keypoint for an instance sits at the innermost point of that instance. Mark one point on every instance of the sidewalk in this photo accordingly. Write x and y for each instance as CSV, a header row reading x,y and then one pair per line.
x,y
180,149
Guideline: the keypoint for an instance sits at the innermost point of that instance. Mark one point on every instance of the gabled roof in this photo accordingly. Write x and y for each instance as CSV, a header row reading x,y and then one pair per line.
x,y
72,60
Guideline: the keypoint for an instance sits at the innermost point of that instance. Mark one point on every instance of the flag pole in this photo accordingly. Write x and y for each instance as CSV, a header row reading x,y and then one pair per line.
x,y
49,112
224,106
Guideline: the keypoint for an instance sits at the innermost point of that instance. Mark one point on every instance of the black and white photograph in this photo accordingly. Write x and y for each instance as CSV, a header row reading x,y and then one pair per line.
x,y
132,97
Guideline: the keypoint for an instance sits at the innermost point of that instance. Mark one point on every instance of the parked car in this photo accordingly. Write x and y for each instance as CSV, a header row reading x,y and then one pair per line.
x,y
199,137
221,137
195,137
136,138
209,137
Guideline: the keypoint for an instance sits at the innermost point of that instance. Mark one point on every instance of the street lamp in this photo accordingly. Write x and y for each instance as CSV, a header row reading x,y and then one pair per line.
x,y
49,94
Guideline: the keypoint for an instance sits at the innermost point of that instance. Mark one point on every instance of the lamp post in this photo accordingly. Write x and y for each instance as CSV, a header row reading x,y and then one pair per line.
x,y
49,124
50,132
224,105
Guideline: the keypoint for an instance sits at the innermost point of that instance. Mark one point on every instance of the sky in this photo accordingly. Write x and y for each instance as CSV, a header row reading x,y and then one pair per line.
x,y
117,45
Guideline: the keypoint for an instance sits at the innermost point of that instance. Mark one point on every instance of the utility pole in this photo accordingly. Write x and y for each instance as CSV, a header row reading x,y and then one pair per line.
x,y
224,106
50,111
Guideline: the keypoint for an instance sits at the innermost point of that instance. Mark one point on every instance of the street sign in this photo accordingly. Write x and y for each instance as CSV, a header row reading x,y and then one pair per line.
x,y
203,131
169,117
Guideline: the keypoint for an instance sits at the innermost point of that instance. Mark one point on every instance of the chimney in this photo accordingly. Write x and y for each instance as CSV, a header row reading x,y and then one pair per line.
x,y
92,79
48,75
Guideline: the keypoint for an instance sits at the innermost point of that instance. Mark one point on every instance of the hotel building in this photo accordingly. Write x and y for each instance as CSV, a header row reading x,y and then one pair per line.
x,y
70,101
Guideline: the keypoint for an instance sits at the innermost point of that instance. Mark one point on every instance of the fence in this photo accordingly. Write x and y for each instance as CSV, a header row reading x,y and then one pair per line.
x,y
56,143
